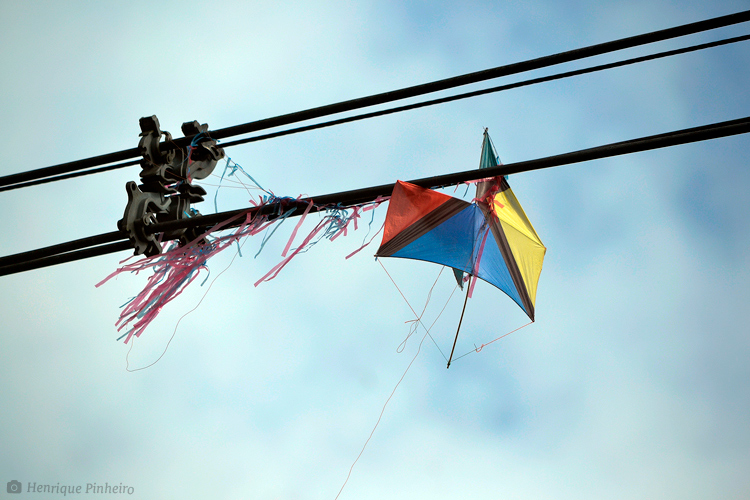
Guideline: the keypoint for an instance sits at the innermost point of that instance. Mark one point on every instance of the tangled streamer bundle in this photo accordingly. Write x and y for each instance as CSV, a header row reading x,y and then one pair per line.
x,y
174,270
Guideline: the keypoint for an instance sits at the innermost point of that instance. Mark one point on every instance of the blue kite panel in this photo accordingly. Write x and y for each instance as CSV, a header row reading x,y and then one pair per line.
x,y
456,242
451,243
494,270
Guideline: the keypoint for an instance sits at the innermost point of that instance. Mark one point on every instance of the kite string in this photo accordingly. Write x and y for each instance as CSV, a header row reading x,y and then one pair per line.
x,y
479,349
419,349
383,411
415,322
415,313
174,332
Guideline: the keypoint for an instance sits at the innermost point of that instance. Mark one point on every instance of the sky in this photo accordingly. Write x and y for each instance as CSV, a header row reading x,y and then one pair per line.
x,y
632,383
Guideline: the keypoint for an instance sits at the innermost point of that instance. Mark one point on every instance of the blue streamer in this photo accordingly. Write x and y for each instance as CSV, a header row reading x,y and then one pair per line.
x,y
234,167
267,236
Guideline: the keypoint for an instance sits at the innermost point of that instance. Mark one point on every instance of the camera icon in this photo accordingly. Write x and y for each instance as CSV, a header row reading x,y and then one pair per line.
x,y
14,487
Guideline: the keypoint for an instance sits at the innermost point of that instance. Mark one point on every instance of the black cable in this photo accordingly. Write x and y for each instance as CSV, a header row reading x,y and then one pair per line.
x,y
414,91
20,262
61,248
70,175
62,258
488,74
432,102
490,90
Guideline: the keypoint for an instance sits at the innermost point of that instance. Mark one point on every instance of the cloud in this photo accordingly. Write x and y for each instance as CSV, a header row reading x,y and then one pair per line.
x,y
633,379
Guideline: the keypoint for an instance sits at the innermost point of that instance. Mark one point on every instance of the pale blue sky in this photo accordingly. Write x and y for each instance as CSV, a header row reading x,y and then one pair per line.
x,y
632,383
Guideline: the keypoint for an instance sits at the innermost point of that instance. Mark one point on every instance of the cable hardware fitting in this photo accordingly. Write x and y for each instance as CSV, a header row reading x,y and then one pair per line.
x,y
167,190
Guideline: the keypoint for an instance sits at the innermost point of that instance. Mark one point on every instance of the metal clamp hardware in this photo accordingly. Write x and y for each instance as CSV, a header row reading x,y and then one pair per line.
x,y
166,190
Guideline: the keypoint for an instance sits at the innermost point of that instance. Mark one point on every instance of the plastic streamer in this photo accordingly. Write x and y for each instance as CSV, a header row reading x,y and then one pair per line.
x,y
173,271
333,224
363,246
234,168
179,266
296,228
375,204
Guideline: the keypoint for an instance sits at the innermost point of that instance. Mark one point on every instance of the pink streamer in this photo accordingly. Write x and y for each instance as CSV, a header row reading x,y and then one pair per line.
x,y
174,270
376,203
294,233
475,269
278,267
363,246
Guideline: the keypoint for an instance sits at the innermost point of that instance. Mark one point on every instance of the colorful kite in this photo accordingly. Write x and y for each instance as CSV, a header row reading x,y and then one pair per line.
x,y
490,238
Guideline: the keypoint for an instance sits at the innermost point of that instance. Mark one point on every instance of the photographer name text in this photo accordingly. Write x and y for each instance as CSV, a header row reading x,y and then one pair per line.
x,y
66,489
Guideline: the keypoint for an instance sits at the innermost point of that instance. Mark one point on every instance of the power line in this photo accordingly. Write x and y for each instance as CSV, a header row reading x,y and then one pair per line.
x,y
499,88
432,102
487,74
70,175
62,248
405,93
117,240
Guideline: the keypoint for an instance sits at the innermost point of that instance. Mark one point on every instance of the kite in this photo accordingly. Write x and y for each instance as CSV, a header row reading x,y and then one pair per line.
x,y
489,238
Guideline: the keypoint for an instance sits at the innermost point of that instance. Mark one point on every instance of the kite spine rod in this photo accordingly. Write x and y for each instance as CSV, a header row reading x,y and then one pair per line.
x,y
386,97
117,240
